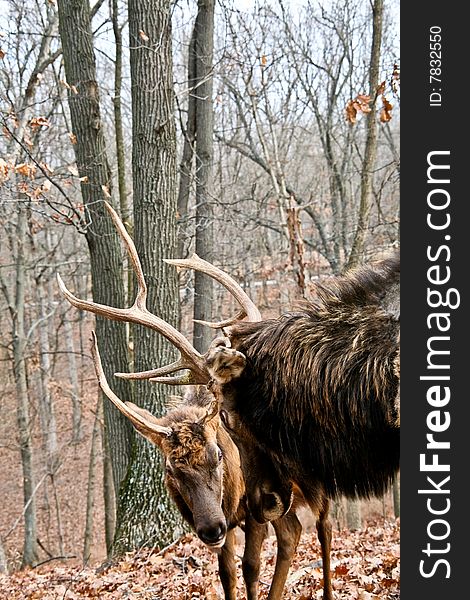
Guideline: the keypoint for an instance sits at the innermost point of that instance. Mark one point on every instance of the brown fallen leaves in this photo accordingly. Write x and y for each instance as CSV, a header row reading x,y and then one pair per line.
x,y
365,566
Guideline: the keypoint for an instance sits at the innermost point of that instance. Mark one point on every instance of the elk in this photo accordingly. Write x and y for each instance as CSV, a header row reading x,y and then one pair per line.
x,y
203,472
318,389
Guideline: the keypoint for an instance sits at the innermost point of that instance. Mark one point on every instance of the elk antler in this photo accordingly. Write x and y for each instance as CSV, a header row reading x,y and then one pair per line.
x,y
139,314
142,420
249,309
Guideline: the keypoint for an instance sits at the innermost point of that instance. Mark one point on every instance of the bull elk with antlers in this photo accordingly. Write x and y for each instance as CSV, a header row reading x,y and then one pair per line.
x,y
320,388
203,471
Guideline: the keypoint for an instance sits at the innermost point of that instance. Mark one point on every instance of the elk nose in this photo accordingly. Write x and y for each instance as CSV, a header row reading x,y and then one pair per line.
x,y
213,534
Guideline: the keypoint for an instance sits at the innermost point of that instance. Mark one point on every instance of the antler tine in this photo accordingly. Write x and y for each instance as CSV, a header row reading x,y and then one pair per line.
x,y
124,407
198,264
241,314
139,314
158,375
185,379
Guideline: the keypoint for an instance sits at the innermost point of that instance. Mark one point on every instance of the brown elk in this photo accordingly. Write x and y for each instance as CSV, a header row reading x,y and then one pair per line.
x,y
203,472
319,392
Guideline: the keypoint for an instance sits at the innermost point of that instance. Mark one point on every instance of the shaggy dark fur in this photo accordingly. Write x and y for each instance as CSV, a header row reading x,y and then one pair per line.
x,y
320,386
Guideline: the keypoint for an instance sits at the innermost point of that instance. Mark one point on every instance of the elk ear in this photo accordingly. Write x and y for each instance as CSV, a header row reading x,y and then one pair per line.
x,y
225,418
224,364
212,411
147,424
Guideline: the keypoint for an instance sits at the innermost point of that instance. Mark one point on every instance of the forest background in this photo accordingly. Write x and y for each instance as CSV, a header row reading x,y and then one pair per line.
x,y
263,135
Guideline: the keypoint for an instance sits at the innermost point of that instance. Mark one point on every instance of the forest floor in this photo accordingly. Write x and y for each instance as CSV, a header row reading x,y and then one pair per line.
x,y
365,563
365,566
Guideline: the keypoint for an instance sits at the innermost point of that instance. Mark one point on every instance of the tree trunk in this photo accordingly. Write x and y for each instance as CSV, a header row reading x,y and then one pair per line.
x,y
16,300
90,498
46,408
370,153
203,285
105,252
146,515
117,105
30,550
75,390
353,514
396,496
125,210
3,560
186,165
109,494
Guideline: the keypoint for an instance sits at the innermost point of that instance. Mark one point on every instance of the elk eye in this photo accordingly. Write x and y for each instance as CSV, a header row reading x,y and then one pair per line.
x,y
219,454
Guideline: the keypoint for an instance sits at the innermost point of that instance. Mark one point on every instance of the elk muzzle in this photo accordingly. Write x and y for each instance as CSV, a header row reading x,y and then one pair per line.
x,y
212,533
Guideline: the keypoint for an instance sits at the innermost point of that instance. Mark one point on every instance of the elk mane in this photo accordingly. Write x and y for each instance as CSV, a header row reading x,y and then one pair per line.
x,y
320,384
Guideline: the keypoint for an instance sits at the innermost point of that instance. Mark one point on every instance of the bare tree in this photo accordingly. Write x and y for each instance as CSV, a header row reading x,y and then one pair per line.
x,y
15,296
146,514
91,488
105,254
370,153
283,100
203,49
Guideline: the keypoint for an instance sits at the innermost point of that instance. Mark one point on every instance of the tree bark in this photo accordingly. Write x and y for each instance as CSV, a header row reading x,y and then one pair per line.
x,y
186,165
74,386
30,549
46,407
105,253
90,498
370,152
353,514
146,515
203,285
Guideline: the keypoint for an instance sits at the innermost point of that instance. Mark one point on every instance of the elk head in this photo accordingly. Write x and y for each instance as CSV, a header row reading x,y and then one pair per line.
x,y
187,437
269,494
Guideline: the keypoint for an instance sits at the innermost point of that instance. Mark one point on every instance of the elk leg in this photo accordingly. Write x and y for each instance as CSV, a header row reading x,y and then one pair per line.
x,y
324,536
255,534
227,567
288,530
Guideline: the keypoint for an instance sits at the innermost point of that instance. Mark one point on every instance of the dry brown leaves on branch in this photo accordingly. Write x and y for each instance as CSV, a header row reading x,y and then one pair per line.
x,y
365,566
37,122
359,105
386,112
